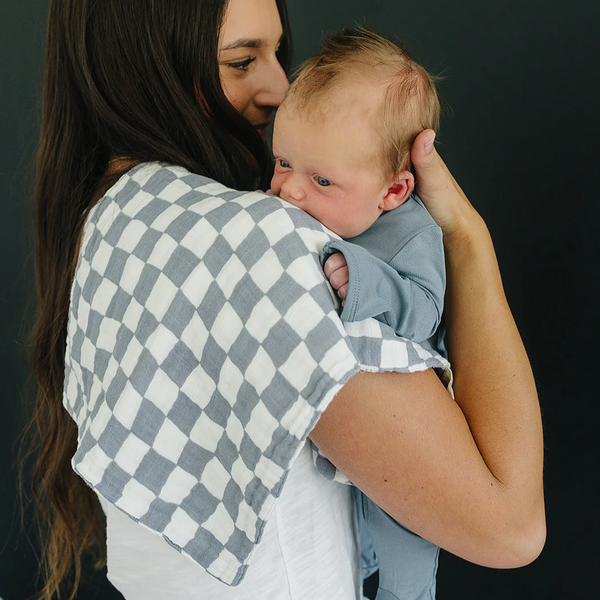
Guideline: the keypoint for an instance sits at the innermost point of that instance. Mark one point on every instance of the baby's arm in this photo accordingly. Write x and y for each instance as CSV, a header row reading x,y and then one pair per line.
x,y
407,292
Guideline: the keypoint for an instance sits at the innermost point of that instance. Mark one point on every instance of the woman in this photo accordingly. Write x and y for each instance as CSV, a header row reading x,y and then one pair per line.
x,y
194,84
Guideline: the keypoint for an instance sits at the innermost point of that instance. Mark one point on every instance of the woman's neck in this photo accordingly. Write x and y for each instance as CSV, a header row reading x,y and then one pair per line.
x,y
120,164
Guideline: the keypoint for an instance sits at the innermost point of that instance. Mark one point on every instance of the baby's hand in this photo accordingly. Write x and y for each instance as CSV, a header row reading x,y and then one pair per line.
x,y
336,270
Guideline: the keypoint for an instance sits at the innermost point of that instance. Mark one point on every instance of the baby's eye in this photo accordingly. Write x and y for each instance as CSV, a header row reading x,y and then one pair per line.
x,y
322,181
284,164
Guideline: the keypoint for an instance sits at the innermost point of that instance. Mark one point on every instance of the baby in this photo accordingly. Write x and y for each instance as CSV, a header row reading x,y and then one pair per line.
x,y
341,142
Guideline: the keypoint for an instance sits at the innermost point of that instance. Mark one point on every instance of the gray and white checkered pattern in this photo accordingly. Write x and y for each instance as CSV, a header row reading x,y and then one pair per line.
x,y
203,344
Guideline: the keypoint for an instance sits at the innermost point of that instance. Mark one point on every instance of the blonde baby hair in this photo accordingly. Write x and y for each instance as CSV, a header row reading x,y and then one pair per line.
x,y
358,56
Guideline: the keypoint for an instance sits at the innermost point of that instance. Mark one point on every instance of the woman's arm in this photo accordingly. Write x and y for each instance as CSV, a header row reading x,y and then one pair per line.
x,y
466,475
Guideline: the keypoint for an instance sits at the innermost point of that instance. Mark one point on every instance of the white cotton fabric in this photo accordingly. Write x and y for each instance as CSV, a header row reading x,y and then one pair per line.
x,y
308,550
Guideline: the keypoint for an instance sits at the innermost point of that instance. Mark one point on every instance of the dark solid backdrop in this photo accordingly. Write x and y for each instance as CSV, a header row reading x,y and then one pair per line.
x,y
523,81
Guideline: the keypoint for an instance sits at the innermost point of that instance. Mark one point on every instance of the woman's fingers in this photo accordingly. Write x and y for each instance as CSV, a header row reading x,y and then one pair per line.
x,y
439,191
422,147
433,176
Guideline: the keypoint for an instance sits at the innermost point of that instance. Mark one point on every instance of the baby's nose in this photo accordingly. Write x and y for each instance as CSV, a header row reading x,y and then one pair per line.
x,y
292,192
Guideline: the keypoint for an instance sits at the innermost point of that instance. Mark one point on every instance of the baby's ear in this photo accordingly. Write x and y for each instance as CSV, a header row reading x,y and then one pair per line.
x,y
399,191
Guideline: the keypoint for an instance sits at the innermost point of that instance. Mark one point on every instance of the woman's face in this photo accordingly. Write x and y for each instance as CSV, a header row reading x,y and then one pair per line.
x,y
252,78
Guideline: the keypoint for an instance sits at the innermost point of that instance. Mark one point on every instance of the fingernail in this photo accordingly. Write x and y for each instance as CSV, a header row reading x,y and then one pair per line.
x,y
429,144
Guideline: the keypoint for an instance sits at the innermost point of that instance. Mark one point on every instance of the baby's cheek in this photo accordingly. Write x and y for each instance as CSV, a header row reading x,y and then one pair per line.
x,y
349,225
276,184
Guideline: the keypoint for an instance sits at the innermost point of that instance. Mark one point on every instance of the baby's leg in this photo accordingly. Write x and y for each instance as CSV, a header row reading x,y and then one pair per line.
x,y
368,560
407,562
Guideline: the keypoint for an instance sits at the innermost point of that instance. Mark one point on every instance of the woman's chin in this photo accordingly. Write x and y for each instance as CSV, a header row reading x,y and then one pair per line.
x,y
262,131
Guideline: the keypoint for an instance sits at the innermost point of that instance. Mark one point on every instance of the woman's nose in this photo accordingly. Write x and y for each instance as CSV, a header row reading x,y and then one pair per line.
x,y
275,86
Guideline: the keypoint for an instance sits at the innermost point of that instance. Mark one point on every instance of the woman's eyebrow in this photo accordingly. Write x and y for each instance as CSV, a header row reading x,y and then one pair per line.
x,y
244,43
248,43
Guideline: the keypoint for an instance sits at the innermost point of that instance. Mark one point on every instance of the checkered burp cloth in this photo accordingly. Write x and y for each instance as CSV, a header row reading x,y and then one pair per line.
x,y
203,344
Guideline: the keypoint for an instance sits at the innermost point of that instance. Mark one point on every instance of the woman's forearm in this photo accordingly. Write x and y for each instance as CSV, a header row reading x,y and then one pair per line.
x,y
494,385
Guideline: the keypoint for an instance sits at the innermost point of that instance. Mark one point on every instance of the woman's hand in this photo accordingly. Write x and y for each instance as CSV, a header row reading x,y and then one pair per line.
x,y
443,197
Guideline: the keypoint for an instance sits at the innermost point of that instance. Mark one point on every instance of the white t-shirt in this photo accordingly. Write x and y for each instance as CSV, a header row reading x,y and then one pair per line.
x,y
309,550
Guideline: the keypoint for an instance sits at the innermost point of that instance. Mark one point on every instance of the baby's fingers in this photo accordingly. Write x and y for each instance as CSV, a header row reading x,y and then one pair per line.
x,y
334,262
342,292
339,279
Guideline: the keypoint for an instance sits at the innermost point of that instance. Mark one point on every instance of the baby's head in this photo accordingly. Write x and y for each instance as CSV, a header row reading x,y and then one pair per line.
x,y
343,134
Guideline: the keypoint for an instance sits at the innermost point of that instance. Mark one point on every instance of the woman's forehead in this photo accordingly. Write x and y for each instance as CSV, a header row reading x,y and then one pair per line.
x,y
250,24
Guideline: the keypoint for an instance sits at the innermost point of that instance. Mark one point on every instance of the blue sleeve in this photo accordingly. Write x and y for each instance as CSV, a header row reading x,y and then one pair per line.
x,y
406,293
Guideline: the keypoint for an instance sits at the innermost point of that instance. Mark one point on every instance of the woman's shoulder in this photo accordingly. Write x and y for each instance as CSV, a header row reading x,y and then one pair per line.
x,y
161,204
165,186
173,219
203,344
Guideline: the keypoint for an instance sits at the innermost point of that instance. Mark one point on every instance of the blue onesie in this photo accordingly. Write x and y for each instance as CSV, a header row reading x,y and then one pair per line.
x,y
397,275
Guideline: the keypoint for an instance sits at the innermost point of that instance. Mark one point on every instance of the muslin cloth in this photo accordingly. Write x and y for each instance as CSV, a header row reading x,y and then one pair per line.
x,y
203,344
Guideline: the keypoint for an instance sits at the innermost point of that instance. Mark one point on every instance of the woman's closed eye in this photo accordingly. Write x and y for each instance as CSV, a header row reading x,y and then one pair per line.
x,y
241,65
322,181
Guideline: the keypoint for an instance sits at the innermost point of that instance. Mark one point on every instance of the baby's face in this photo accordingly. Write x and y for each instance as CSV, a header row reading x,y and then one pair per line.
x,y
328,168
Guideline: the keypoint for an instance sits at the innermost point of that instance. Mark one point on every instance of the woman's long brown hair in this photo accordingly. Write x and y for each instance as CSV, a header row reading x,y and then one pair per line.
x,y
121,79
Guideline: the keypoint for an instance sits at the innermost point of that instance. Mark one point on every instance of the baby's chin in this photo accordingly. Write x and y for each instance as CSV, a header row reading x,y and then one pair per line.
x,y
350,225
343,230
348,231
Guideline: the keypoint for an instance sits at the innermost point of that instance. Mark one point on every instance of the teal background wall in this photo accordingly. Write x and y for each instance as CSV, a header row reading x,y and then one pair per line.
x,y
523,83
